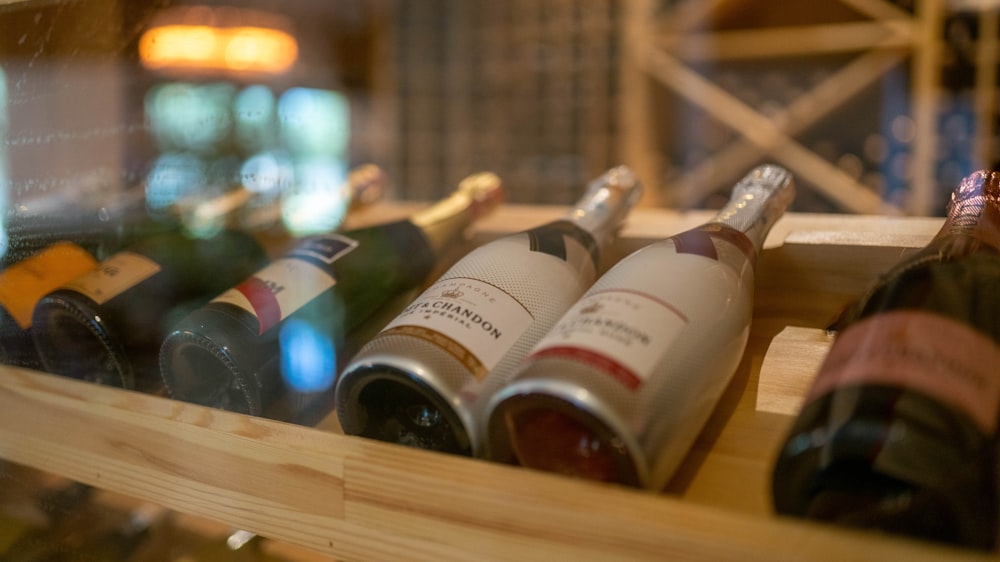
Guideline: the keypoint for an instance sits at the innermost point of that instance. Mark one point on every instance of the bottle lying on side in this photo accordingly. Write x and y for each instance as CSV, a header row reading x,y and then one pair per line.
x,y
419,381
241,208
283,327
23,284
620,388
106,326
54,240
899,429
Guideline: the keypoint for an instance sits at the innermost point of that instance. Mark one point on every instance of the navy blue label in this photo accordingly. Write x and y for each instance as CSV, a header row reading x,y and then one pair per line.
x,y
325,249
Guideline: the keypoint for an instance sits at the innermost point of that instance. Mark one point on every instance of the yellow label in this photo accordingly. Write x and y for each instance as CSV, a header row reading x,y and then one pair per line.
x,y
114,276
27,281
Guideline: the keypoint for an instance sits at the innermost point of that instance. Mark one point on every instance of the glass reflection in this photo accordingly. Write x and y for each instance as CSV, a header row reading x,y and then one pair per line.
x,y
4,126
195,117
288,150
255,118
314,122
308,357
174,176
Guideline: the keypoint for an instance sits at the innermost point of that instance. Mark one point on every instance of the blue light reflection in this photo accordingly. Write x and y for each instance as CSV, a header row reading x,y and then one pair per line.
x,y
308,357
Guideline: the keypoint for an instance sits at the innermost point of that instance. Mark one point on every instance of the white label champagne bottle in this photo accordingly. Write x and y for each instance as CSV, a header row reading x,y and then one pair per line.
x,y
898,431
420,380
618,390
283,327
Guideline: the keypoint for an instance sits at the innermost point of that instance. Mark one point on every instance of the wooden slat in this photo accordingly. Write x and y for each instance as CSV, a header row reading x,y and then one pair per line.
x,y
925,95
364,500
987,59
877,9
795,41
639,146
793,349
687,15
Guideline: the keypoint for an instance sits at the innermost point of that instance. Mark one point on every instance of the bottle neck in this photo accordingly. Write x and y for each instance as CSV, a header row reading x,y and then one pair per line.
x,y
604,207
974,210
757,203
446,222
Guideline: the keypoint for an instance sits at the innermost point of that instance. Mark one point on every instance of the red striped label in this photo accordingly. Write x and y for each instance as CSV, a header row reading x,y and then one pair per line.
x,y
618,371
263,300
700,241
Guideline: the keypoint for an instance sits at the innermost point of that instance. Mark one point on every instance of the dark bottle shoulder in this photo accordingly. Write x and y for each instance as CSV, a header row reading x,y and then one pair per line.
x,y
550,238
219,319
201,258
400,249
402,236
66,297
955,277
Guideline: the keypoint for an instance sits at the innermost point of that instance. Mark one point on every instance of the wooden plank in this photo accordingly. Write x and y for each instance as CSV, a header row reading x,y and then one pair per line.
x,y
794,349
877,9
794,41
987,59
687,14
364,500
925,95
639,146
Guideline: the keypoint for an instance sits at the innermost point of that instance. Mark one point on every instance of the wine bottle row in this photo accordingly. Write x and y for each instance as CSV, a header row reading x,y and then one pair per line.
x,y
522,352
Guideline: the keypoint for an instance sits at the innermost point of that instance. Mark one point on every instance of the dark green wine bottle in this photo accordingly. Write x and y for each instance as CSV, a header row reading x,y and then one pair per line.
x,y
22,285
283,328
107,325
899,430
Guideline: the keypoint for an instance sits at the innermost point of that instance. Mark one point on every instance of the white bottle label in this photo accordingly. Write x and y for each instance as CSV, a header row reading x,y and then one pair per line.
x,y
287,284
278,290
909,349
114,276
622,332
474,321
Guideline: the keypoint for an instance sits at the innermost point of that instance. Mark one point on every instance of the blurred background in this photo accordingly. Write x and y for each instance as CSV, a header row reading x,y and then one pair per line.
x,y
255,111
876,106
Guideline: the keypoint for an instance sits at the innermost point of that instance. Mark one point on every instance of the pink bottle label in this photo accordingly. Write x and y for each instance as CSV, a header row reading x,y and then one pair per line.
x,y
925,352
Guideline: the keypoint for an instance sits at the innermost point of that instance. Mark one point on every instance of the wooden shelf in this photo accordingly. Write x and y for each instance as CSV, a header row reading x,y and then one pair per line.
x,y
358,499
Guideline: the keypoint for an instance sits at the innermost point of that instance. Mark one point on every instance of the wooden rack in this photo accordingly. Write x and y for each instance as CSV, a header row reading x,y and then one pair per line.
x,y
357,499
662,45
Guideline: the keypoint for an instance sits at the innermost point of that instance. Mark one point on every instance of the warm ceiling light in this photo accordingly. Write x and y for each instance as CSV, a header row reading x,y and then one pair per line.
x,y
210,45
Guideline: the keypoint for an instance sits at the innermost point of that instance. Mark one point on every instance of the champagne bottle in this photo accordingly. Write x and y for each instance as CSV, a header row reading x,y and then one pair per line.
x,y
898,431
22,285
419,381
283,327
106,326
241,208
619,389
